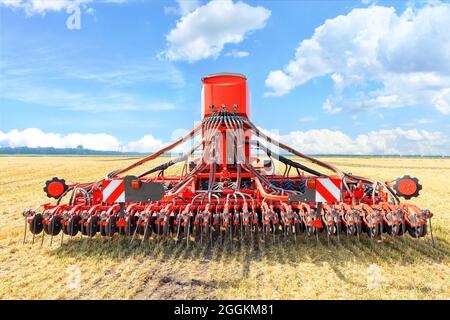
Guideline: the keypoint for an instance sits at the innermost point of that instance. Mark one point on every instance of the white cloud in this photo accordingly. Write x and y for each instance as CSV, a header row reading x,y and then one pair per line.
x,y
387,141
187,6
32,7
307,119
147,143
204,32
328,107
33,137
237,54
317,141
386,59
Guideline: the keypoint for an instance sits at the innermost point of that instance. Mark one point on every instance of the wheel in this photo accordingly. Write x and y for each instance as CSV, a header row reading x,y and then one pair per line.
x,y
131,225
147,228
424,230
371,231
110,227
330,229
36,224
92,226
103,227
83,227
415,232
392,230
72,227
54,226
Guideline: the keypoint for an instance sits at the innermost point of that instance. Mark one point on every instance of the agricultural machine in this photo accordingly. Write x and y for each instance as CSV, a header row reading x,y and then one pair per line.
x,y
225,193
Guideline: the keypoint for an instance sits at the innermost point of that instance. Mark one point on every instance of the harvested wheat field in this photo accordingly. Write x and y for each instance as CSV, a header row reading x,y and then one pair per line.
x,y
115,270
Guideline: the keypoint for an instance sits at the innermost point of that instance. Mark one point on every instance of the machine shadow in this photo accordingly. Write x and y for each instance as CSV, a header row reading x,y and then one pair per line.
x,y
405,251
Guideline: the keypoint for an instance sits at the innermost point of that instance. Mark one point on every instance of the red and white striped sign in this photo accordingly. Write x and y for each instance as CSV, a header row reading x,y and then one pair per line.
x,y
113,191
328,190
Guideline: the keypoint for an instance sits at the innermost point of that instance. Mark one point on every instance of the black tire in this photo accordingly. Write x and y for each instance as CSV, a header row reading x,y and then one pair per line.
x,y
83,227
110,227
424,230
131,225
415,232
92,226
54,226
371,231
72,227
147,228
103,228
37,224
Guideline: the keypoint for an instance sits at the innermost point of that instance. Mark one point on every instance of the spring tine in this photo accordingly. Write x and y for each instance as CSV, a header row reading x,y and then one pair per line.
x,y
348,236
357,230
52,229
81,231
328,234
403,232
371,238
34,227
62,237
431,232
25,232
338,230
145,231
42,238
188,230
134,234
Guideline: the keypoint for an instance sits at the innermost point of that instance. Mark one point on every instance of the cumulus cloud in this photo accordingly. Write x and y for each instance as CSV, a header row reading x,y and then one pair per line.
x,y
318,141
237,54
204,32
147,143
33,137
383,58
32,7
383,142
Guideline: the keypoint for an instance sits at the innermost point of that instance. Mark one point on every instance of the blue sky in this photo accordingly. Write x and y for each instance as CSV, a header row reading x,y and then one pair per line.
x,y
325,76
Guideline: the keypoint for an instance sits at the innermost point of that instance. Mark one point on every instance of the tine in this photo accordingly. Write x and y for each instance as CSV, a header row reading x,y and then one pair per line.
x,y
134,235
348,236
34,227
62,238
52,230
145,232
42,238
188,230
403,234
338,230
431,233
25,232
328,235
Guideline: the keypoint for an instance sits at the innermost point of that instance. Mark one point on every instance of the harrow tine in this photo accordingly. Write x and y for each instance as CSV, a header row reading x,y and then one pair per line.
x,y
145,232
431,233
42,238
34,227
25,231
134,234
328,235
338,230
52,231
403,233
62,238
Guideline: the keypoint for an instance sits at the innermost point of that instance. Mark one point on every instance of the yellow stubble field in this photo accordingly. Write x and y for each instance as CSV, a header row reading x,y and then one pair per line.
x,y
306,270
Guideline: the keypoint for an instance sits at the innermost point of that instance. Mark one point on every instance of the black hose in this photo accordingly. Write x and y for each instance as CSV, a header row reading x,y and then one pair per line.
x,y
164,166
286,160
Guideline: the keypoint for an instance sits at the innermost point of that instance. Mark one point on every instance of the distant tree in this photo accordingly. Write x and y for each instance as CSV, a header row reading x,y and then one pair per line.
x,y
79,146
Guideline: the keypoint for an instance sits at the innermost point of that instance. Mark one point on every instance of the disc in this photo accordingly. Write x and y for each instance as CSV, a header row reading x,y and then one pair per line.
x,y
36,224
